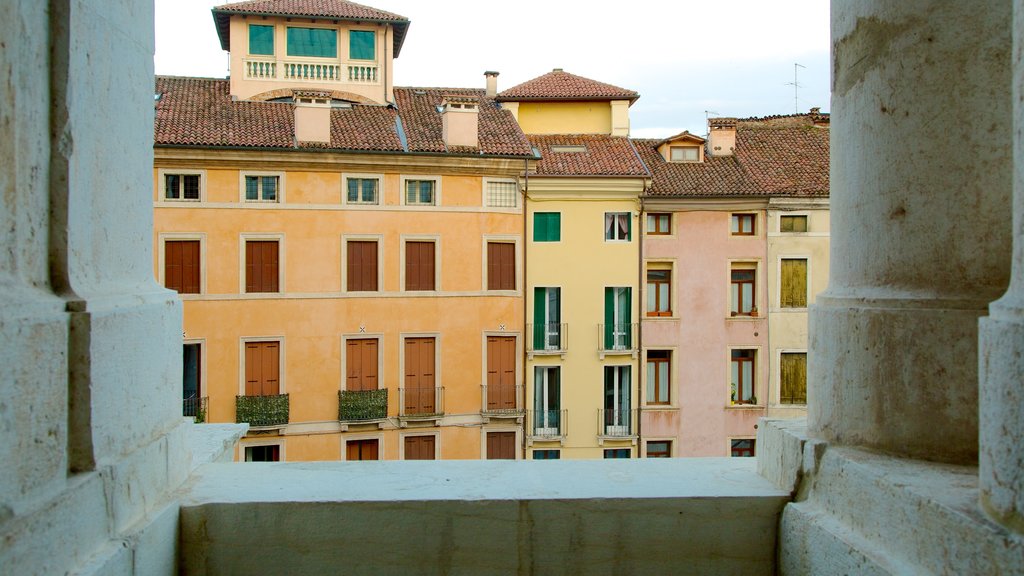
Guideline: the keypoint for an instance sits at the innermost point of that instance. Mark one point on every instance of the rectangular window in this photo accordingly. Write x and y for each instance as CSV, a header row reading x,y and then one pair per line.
x,y
419,192
618,310
742,291
362,450
742,448
659,224
793,378
192,386
617,407
263,453
419,266
617,226
613,453
501,445
261,266
315,42
262,188
547,311
547,403
501,373
262,368
793,293
743,370
501,194
684,153
182,187
362,190
361,364
361,261
659,449
546,454
419,390
362,45
744,224
181,266
659,369
659,292
547,226
793,223
501,266
420,447
261,40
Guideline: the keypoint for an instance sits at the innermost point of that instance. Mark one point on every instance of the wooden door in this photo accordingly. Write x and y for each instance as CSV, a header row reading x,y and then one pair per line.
x,y
501,445
501,373
419,376
361,364
262,371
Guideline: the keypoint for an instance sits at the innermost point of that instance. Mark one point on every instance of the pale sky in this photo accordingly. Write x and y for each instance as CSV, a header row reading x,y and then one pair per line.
x,y
727,57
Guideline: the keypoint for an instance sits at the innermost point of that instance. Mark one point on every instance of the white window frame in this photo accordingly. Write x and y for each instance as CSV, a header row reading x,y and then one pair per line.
x,y
403,239
419,432
683,147
437,189
670,266
614,230
379,239
501,239
759,279
516,196
348,44
755,373
281,263
546,368
673,378
161,176
345,177
547,319
281,187
256,443
671,445
163,238
617,395
282,372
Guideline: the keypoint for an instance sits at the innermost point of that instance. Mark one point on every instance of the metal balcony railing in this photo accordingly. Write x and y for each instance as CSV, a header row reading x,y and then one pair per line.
x,y
501,400
617,337
616,423
260,411
195,407
421,402
357,405
547,423
550,338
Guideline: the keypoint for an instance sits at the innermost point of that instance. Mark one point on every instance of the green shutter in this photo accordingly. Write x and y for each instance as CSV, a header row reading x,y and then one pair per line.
x,y
361,45
555,227
540,227
539,302
794,283
315,42
609,318
629,226
627,317
261,40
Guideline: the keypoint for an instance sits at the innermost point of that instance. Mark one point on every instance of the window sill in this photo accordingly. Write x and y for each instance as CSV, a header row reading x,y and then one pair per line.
x,y
746,317
745,406
660,408
673,317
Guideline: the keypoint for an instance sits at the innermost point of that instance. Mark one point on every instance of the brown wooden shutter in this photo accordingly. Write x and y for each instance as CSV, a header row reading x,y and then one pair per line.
x,y
362,266
501,373
501,445
419,376
794,283
419,266
361,364
501,266
362,450
262,368
181,266
793,368
261,266
419,447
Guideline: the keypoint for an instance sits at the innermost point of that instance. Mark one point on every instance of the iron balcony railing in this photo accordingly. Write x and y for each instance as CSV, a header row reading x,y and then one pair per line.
x,y
422,402
547,423
357,405
195,407
260,411
617,422
617,337
551,338
501,399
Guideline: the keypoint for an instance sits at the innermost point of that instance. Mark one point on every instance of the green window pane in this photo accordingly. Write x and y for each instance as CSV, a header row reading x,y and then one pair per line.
x,y
362,45
252,188
315,42
270,187
426,192
171,185
353,189
261,40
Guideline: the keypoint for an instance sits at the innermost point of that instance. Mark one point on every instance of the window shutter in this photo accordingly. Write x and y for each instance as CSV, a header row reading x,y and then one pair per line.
x,y
190,267
493,267
627,316
794,283
793,369
540,298
609,318
172,266
270,269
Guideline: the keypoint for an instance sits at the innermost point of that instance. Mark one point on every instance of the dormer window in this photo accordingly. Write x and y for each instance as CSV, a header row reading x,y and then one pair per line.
x,y
261,40
362,45
684,153
568,148
312,42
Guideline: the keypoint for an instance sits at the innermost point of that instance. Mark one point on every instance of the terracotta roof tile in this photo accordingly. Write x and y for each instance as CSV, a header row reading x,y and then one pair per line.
x,y
602,156
716,176
561,85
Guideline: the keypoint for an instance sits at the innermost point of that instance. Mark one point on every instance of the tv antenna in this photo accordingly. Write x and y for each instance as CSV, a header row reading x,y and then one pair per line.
x,y
707,116
796,88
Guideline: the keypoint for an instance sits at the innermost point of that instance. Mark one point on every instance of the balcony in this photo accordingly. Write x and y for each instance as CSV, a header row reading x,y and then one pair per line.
x,y
616,424
195,408
362,405
617,339
546,425
551,338
314,71
262,411
502,401
426,403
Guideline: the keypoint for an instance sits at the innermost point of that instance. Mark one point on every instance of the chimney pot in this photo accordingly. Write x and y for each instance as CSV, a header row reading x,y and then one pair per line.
x,y
492,83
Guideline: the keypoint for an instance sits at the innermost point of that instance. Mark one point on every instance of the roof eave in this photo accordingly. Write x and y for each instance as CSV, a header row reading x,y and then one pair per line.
x,y
632,99
222,20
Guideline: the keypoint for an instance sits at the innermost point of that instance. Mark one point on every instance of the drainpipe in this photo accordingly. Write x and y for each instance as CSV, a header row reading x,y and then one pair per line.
x,y
526,291
641,372
768,313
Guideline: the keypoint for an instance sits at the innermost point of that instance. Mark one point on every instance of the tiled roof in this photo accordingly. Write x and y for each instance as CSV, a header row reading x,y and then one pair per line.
x,y
561,85
603,156
319,9
778,156
200,112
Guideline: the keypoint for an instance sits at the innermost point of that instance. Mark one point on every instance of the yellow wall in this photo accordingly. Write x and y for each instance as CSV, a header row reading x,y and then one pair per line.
x,y
565,117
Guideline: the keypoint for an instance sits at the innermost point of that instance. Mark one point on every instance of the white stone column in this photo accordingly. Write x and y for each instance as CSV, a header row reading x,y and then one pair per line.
x,y
1001,346
920,223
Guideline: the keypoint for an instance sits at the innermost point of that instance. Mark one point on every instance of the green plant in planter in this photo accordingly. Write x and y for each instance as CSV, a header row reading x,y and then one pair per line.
x,y
262,410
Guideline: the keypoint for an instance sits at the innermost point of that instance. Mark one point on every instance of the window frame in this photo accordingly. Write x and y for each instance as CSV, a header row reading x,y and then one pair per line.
x,y
607,451
162,239
282,373
419,432
657,230
308,25
669,352
544,397
403,183
346,176
281,263
743,266
280,195
379,239
807,283
517,430
273,40
376,43
804,215
534,229
163,173
694,148
731,448
754,367
556,451
485,196
738,218
659,266
779,354
670,452
362,437
243,446
403,241
343,374
438,351
516,259
614,230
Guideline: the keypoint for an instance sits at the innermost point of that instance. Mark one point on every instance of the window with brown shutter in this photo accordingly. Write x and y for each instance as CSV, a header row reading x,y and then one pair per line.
x,y
362,450
262,368
181,266
793,376
419,447
419,384
419,266
261,266
501,445
362,265
501,266
501,373
361,364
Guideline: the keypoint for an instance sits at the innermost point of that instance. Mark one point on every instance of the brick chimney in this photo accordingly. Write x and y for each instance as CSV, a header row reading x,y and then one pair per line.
x,y
312,116
459,120
492,83
721,136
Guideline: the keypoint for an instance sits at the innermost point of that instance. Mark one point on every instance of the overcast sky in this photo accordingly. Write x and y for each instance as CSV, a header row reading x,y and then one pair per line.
x,y
684,57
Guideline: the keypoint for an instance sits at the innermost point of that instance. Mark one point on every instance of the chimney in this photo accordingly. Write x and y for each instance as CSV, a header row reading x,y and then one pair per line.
x,y
312,116
459,119
492,83
721,136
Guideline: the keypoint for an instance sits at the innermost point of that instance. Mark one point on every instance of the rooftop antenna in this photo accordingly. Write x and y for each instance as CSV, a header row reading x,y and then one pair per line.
x,y
796,88
707,116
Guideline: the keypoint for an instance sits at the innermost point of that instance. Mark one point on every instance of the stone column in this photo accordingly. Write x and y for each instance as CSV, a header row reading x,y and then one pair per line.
x,y
920,223
1002,346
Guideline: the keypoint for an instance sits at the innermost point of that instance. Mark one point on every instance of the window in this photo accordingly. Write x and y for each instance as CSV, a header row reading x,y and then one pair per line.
x,y
744,224
362,45
419,266
613,453
420,447
270,453
547,226
501,193
684,153
616,226
192,389
181,266
362,190
742,389
501,266
570,148
262,188
501,445
742,290
659,292
315,42
261,40
659,449
793,223
547,310
659,368
262,368
361,365
261,266
182,187
362,449
547,400
793,378
793,293
742,448
361,264
547,454
419,192
618,327
617,410
419,383
659,224
501,374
